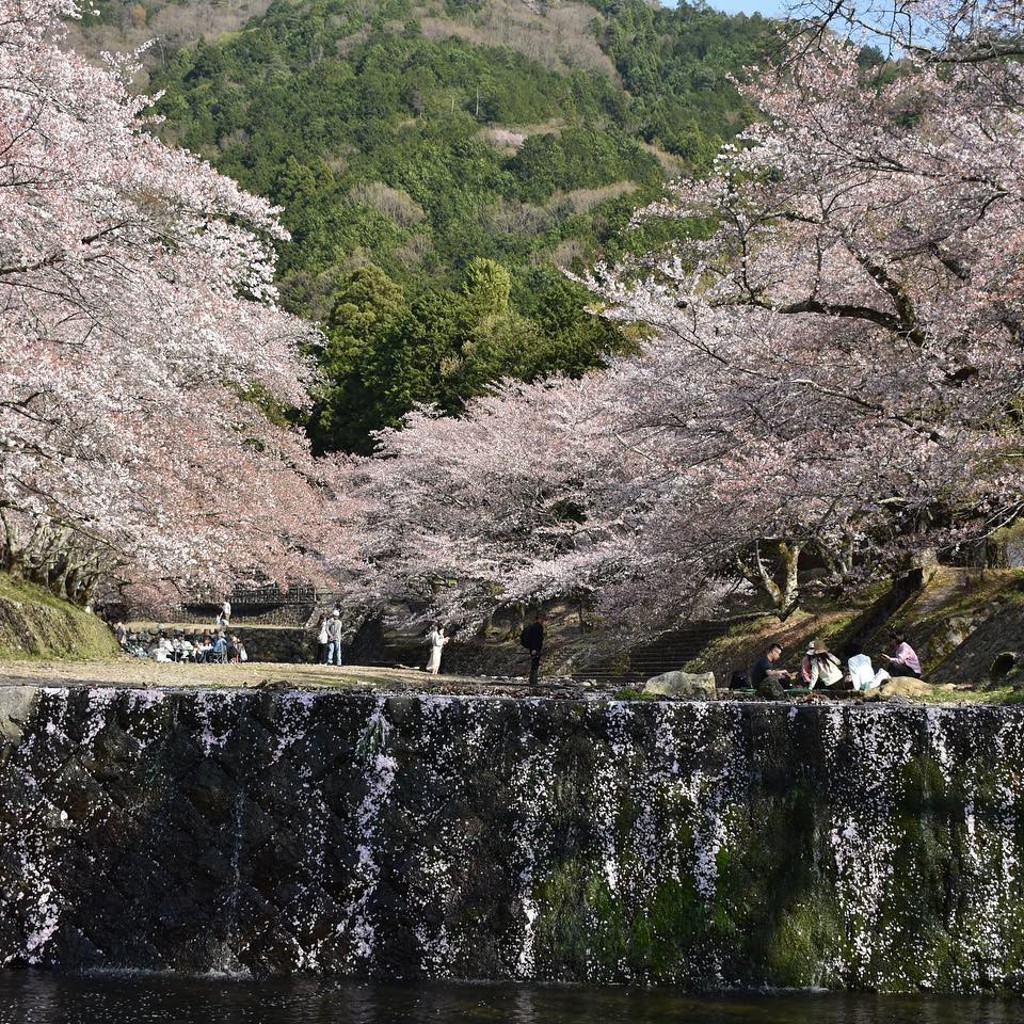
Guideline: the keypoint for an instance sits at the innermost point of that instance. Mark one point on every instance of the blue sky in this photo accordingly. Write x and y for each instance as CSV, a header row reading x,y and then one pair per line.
x,y
769,8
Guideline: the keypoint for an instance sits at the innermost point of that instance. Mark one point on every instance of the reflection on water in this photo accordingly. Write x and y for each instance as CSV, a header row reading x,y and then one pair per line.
x,y
33,997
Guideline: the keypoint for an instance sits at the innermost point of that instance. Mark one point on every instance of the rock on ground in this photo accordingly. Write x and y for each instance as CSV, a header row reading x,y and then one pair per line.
x,y
682,684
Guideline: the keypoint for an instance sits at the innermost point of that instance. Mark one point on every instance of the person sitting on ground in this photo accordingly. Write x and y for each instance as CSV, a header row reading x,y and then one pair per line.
x,y
904,662
219,649
862,673
204,646
824,666
187,647
765,678
163,649
805,666
236,649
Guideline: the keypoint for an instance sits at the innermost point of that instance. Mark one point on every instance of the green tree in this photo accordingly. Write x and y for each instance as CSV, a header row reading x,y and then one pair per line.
x,y
329,107
367,311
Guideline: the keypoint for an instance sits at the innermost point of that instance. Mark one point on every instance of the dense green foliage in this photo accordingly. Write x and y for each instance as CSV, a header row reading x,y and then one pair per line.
x,y
432,186
676,63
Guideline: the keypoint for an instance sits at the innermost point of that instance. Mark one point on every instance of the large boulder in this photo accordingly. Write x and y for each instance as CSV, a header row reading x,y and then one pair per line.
x,y
902,686
698,685
16,703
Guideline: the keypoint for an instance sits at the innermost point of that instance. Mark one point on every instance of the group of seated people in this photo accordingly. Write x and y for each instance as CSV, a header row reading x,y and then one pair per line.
x,y
212,646
820,667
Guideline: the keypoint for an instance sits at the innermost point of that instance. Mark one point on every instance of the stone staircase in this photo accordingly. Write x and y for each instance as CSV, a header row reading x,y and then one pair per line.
x,y
670,651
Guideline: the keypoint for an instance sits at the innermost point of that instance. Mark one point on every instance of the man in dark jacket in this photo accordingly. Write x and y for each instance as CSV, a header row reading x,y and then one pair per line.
x,y
765,678
533,640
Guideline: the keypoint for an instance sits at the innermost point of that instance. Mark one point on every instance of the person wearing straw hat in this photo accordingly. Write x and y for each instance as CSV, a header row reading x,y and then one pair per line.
x,y
823,666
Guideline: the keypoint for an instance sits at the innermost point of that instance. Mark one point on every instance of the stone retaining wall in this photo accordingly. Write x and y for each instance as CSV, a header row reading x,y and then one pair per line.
x,y
694,845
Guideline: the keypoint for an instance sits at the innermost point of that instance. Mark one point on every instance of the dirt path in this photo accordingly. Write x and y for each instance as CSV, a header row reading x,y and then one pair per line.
x,y
134,672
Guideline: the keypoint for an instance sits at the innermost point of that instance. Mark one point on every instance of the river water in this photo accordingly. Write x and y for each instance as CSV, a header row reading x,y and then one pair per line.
x,y
36,997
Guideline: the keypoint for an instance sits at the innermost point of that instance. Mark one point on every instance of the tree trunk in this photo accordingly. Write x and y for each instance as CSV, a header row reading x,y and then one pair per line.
x,y
12,554
777,578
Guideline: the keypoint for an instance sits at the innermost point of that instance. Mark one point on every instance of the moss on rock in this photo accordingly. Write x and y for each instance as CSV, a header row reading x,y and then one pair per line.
x,y
36,624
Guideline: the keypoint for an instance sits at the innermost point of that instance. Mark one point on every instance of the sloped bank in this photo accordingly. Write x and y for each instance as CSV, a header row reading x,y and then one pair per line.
x,y
35,623
698,845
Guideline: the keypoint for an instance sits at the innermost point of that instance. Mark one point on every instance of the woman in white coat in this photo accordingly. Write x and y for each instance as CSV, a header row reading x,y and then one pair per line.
x,y
437,640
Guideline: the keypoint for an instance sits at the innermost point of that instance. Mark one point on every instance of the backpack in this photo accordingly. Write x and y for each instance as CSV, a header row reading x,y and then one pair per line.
x,y
524,638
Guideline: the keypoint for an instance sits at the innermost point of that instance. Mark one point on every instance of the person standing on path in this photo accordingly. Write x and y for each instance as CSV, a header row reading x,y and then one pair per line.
x,y
437,640
533,640
321,641
334,639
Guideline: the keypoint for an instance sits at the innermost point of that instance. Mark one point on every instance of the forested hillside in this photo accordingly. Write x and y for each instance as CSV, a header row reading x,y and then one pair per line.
x,y
437,165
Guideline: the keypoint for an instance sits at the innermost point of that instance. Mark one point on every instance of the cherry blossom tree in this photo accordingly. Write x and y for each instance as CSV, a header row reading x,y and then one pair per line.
x,y
866,245
143,365
934,31
562,490
464,506
834,362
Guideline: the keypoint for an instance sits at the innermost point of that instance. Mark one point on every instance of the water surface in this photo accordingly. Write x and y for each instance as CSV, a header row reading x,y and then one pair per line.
x,y
37,997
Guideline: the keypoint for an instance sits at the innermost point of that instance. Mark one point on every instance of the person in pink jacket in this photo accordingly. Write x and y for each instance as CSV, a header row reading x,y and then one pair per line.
x,y
904,662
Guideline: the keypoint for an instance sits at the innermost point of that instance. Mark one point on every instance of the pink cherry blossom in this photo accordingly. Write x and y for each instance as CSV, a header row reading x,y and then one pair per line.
x,y
138,343
833,366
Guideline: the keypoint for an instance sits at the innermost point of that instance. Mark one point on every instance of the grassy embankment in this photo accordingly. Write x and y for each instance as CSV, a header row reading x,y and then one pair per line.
x,y
959,621
36,625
